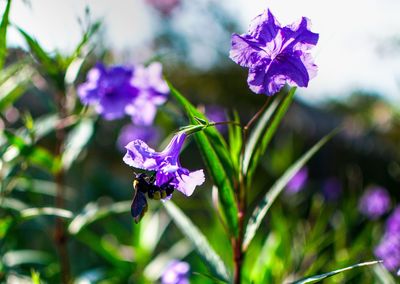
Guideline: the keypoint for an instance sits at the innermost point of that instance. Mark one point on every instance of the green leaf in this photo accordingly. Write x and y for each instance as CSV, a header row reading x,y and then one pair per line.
x,y
35,155
3,34
44,187
92,213
235,141
12,204
329,274
39,53
14,85
35,277
18,257
264,131
45,211
217,158
98,244
261,210
203,248
76,141
48,65
84,41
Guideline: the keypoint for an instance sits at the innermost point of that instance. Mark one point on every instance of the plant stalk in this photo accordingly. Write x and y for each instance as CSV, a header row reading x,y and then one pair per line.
x,y
60,235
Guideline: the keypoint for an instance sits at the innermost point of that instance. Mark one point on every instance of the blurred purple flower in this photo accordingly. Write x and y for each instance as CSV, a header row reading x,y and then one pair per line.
x,y
393,222
177,272
332,189
108,90
119,90
216,113
130,132
166,164
389,251
275,55
375,202
164,6
153,91
297,182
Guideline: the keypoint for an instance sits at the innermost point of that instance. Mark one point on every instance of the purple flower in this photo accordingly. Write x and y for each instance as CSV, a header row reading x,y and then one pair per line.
x,y
389,251
375,202
119,90
393,222
332,189
153,91
130,132
177,272
297,182
275,55
166,164
389,247
108,90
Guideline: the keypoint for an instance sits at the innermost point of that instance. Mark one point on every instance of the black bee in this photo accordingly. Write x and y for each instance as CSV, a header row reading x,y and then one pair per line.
x,y
143,184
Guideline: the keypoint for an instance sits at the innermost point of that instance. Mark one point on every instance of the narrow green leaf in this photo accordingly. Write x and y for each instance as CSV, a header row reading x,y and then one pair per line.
x,y
261,210
35,277
264,132
45,211
35,155
76,141
84,41
3,34
203,248
39,53
92,213
329,274
14,86
217,158
12,204
100,246
259,129
18,257
44,187
235,141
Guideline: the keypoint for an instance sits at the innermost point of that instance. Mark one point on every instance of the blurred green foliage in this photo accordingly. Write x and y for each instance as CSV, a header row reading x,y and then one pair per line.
x,y
303,234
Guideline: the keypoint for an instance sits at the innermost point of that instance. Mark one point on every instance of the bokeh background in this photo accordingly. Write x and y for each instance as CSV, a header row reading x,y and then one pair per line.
x,y
316,226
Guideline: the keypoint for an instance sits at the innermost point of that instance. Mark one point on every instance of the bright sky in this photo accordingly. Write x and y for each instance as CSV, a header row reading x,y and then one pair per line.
x,y
359,44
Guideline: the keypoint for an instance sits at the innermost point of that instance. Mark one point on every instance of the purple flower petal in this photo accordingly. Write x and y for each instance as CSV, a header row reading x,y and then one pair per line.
x,y
297,182
177,272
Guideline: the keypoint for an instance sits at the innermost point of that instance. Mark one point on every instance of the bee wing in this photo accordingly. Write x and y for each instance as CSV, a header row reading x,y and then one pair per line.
x,y
139,205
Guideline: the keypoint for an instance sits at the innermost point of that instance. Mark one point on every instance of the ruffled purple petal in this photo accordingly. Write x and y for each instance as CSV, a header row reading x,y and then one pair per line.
x,y
299,35
245,51
264,27
188,181
291,67
141,156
